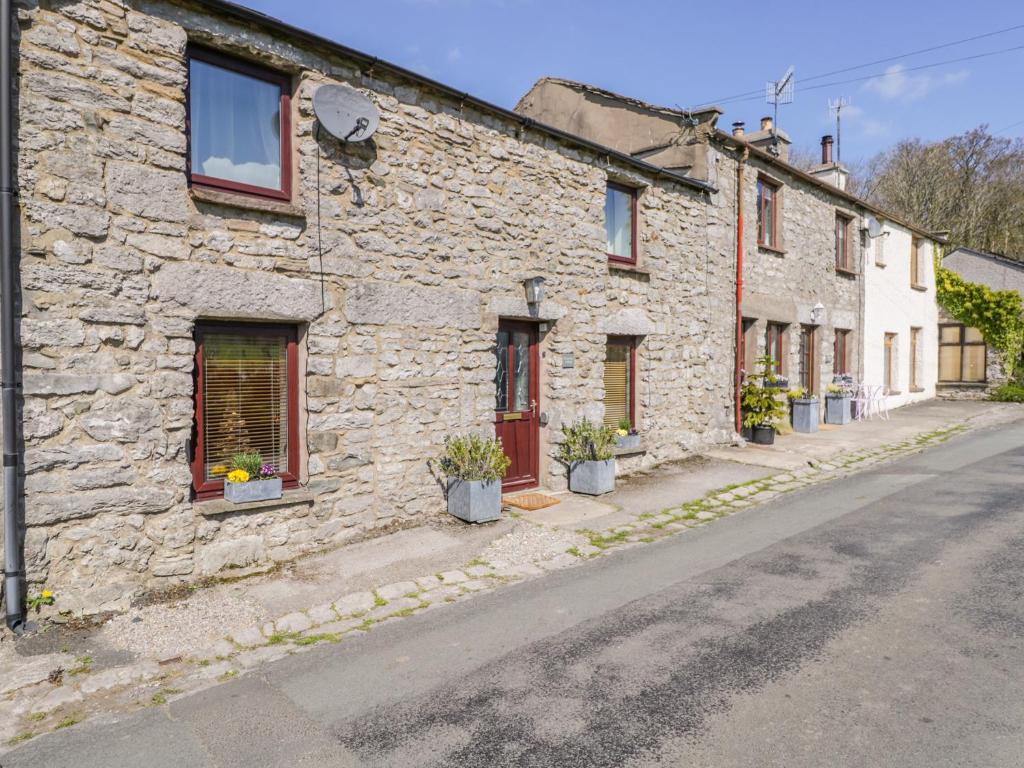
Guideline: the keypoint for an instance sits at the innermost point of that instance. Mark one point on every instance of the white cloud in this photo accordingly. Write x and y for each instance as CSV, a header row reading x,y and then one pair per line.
x,y
898,84
875,128
454,55
257,174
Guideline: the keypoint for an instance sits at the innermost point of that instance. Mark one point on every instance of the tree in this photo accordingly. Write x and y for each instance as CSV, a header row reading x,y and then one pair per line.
x,y
971,184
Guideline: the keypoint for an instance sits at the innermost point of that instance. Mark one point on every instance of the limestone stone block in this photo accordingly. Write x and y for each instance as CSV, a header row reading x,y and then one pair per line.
x,y
376,303
48,509
240,552
72,384
214,291
123,420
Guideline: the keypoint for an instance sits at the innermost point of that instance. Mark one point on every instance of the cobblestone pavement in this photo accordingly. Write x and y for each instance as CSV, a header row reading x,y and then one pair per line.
x,y
57,690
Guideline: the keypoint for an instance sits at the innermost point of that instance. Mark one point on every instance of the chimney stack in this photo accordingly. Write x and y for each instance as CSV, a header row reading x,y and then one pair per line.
x,y
826,150
737,128
766,123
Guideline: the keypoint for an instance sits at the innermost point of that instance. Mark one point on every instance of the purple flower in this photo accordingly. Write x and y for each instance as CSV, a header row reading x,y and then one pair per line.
x,y
268,470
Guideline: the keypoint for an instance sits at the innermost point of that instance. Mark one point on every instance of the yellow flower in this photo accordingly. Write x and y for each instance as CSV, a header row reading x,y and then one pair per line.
x,y
220,469
623,432
238,476
47,594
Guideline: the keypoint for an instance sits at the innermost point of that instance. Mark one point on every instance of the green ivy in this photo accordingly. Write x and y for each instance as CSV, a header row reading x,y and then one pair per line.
x,y
999,315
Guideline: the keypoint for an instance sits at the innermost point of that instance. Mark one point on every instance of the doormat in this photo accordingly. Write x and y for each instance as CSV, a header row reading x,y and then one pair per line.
x,y
531,501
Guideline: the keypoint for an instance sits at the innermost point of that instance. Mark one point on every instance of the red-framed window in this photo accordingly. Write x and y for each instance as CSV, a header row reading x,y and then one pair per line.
x,y
844,255
246,399
620,381
238,123
775,347
841,352
767,213
620,222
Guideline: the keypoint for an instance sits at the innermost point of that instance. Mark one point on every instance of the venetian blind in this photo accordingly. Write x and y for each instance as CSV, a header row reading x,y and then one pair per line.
x,y
616,384
245,399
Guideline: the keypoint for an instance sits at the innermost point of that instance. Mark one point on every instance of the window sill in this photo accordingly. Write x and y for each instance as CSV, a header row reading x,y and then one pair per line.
x,y
222,507
919,287
916,390
771,249
894,392
846,272
627,266
246,202
962,385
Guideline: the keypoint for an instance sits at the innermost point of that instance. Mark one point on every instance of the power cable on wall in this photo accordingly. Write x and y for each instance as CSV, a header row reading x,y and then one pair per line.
x,y
319,229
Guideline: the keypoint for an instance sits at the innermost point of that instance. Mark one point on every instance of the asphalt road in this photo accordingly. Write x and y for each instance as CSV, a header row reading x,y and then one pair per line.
x,y
873,621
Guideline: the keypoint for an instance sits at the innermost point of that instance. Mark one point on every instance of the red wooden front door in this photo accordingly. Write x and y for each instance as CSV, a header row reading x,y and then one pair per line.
x,y
516,402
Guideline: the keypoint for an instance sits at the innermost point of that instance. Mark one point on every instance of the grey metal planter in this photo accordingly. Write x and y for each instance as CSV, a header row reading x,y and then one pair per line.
x,y
475,501
628,442
254,490
837,409
805,415
592,477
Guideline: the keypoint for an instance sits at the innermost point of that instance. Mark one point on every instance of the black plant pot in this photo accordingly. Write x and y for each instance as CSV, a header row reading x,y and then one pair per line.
x,y
747,433
763,435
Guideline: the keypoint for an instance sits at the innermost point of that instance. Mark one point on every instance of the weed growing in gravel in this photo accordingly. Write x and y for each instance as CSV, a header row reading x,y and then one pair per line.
x,y
282,637
327,637
84,666
24,736
68,721
379,601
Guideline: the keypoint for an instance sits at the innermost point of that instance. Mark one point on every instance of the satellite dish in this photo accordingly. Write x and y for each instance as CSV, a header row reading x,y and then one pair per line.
x,y
345,113
874,227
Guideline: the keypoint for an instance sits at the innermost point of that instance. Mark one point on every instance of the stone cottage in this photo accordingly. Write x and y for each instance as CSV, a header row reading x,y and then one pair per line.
x,y
969,367
203,269
806,301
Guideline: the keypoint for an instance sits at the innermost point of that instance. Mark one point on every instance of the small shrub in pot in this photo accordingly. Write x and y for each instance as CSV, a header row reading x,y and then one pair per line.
x,y
837,404
589,451
760,407
474,466
626,435
251,479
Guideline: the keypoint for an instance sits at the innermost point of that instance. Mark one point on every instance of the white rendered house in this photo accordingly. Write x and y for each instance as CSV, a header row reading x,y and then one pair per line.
x,y
900,329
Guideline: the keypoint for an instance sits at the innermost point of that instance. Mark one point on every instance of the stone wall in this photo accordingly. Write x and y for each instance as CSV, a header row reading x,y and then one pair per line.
x,y
428,231
784,285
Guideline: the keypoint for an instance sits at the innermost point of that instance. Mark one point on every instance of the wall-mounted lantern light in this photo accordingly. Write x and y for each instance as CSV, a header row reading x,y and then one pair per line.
x,y
817,311
534,290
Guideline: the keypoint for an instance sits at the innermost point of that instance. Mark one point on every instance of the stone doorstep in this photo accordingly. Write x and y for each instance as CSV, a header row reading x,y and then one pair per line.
x,y
250,648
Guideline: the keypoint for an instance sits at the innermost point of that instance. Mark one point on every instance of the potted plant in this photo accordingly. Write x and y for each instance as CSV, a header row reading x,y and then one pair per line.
x,y
769,379
804,410
626,436
474,466
837,404
760,408
250,479
589,450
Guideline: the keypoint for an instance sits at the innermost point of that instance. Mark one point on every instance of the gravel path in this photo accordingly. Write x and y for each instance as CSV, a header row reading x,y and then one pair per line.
x,y
169,629
530,543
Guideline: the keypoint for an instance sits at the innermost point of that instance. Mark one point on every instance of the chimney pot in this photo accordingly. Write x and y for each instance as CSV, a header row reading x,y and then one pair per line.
x,y
737,128
826,150
766,123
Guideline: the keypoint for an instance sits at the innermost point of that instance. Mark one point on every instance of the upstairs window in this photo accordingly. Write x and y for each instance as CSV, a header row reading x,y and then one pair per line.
x,y
238,126
915,264
844,257
620,223
767,213
246,400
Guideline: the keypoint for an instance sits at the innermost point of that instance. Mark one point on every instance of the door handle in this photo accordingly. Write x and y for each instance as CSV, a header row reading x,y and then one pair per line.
x,y
533,407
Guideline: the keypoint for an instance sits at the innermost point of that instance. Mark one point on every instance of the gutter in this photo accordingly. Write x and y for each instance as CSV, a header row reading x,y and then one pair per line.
x,y
14,564
249,16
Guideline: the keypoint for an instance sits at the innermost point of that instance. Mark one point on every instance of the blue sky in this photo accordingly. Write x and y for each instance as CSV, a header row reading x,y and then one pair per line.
x,y
685,53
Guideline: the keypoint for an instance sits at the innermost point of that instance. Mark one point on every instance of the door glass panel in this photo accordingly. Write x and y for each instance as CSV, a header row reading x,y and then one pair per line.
x,y
501,373
949,363
521,363
974,363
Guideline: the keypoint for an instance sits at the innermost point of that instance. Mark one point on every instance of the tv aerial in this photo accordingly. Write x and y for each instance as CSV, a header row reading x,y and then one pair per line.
x,y
779,92
836,106
345,113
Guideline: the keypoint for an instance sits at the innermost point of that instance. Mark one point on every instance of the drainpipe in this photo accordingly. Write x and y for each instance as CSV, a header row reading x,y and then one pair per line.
x,y
738,381
14,567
